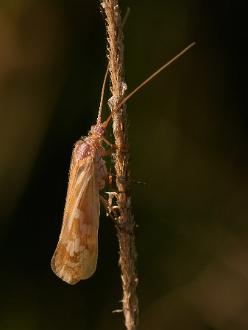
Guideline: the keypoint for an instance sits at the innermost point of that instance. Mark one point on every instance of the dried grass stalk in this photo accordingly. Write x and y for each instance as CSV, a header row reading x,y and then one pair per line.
x,y
125,224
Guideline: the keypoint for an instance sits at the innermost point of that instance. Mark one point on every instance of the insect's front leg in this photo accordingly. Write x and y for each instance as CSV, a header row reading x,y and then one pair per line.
x,y
107,142
113,148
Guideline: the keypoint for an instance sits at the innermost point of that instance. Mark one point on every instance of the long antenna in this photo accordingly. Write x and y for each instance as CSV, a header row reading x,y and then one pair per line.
x,y
152,76
102,96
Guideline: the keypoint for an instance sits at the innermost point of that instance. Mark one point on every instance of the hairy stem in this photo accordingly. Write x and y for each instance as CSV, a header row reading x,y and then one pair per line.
x,y
125,224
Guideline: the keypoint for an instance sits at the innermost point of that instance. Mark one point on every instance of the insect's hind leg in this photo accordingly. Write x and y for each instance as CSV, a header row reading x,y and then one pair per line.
x,y
108,205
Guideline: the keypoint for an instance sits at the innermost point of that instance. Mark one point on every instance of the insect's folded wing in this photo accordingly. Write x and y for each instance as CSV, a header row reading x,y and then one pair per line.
x,y
76,254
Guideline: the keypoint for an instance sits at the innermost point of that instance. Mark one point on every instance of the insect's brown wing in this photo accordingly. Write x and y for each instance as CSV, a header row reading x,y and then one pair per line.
x,y
75,257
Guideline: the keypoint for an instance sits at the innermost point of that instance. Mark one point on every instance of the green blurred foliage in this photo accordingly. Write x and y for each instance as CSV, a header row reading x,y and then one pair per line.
x,y
188,138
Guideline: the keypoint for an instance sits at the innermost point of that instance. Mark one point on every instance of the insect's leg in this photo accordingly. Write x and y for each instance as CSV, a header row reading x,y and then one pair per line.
x,y
111,196
110,209
110,151
105,204
107,142
113,148
105,153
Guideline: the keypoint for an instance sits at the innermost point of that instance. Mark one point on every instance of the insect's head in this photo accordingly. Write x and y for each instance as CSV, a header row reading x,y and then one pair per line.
x,y
97,130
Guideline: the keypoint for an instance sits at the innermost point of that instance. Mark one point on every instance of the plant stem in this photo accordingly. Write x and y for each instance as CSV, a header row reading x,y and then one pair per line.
x,y
125,224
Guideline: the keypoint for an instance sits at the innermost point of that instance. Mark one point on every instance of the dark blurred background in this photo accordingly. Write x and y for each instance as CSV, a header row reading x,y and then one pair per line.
x,y
188,136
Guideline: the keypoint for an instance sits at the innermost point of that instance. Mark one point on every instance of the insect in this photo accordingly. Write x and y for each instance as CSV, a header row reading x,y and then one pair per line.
x,y
75,256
